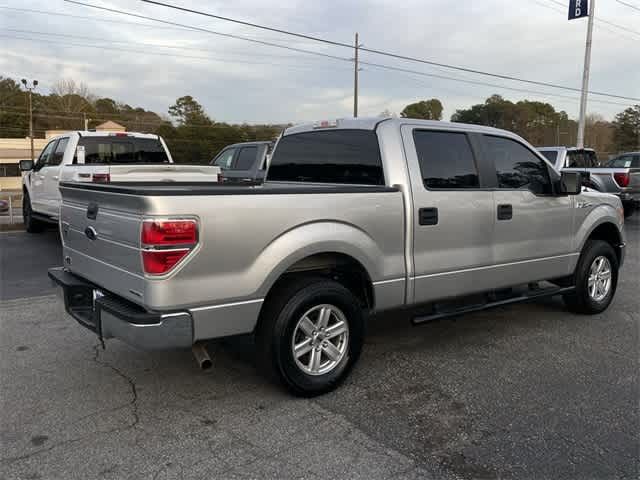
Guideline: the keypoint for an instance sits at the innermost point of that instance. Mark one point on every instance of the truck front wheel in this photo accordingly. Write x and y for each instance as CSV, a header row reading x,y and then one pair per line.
x,y
596,279
31,224
310,334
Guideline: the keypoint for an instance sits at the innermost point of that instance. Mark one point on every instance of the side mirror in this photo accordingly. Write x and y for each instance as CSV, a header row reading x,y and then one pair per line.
x,y
571,183
25,165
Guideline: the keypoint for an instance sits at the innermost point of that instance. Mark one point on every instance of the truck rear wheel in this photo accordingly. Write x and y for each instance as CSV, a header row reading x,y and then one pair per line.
x,y
311,333
31,224
596,279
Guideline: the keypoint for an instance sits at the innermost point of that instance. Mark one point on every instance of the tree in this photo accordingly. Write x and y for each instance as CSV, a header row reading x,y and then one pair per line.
x,y
626,133
426,109
187,111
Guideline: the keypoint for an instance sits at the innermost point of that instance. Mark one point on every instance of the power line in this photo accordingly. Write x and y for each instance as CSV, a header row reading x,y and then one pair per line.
x,y
213,32
628,5
381,66
162,54
485,84
601,20
178,47
608,29
375,51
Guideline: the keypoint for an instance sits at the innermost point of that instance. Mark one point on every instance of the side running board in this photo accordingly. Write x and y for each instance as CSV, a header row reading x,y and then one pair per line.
x,y
490,302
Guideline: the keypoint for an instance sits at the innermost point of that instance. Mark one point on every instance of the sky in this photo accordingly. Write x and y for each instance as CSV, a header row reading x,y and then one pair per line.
x,y
149,64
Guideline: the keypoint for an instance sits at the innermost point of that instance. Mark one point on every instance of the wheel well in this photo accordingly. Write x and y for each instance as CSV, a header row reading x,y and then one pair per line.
x,y
609,233
337,266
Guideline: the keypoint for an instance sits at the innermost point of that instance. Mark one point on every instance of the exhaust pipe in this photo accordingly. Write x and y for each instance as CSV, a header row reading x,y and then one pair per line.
x,y
202,356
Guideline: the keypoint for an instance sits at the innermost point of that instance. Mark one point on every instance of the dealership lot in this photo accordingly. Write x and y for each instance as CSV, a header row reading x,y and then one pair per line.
x,y
527,391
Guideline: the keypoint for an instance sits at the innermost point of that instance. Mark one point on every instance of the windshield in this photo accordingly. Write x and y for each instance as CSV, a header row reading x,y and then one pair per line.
x,y
550,155
122,150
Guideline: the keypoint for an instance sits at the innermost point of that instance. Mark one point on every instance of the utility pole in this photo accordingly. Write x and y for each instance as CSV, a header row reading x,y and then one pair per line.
x,y
355,78
86,121
585,77
29,90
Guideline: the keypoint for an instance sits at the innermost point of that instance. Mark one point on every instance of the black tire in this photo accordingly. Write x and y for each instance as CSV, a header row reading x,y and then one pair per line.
x,y
30,224
580,301
275,333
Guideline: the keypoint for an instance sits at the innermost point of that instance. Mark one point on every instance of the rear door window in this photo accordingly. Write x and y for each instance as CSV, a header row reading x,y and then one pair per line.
x,y
122,150
246,158
446,160
331,156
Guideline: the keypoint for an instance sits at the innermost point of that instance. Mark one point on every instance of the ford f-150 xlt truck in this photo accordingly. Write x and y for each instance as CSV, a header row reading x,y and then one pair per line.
x,y
89,156
357,216
621,176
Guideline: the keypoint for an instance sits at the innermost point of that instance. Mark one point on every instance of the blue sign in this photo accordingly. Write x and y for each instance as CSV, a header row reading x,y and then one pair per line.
x,y
578,9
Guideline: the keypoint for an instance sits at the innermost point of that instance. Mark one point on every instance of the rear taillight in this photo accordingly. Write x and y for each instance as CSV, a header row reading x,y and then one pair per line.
x,y
622,179
165,243
101,178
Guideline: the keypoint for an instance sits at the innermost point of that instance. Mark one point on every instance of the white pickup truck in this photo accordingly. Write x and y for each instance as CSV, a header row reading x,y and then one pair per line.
x,y
98,157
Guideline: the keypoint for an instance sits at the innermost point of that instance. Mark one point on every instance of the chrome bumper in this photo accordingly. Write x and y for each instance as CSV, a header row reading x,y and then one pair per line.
x,y
110,316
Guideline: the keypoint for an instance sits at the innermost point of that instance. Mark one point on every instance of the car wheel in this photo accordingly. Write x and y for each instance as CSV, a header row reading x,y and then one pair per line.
x,y
31,224
596,279
310,335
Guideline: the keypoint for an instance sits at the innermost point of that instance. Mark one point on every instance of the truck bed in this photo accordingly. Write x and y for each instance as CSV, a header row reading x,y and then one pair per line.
x,y
247,237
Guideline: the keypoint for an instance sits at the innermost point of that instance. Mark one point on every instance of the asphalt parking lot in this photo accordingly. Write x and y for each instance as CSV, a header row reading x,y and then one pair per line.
x,y
528,391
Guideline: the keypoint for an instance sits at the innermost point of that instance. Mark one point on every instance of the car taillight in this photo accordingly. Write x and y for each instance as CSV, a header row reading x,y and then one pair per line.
x,y
165,243
101,178
622,179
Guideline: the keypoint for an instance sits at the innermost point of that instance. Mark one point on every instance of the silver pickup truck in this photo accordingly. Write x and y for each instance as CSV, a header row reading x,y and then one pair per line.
x,y
621,176
357,216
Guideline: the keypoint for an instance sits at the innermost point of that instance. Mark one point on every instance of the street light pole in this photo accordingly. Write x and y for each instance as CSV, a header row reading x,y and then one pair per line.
x,y
29,90
585,77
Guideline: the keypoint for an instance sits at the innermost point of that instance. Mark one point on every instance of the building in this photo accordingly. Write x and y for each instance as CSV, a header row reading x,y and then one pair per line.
x,y
12,150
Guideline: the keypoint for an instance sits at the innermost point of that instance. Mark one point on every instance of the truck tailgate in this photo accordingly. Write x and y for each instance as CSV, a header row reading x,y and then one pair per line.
x,y
164,173
101,239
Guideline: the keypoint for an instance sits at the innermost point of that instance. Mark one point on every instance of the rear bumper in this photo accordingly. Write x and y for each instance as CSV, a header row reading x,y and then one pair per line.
x,y
110,316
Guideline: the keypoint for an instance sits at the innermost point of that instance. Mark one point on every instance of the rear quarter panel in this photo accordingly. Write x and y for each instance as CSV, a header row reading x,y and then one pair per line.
x,y
248,241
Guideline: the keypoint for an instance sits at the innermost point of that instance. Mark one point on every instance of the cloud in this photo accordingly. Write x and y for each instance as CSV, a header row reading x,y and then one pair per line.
x,y
242,81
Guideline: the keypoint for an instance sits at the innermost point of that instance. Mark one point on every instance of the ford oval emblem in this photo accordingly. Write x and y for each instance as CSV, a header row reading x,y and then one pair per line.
x,y
91,233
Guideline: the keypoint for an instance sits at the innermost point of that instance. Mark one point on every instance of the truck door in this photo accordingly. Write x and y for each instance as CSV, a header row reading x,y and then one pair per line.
x,y
453,213
532,234
51,171
37,179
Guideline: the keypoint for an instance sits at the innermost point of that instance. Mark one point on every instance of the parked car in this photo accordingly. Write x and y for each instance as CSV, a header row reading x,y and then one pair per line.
x,y
243,162
4,205
84,156
356,216
621,176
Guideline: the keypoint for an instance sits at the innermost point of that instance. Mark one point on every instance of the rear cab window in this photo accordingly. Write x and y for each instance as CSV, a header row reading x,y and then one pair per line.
x,y
329,156
446,160
114,150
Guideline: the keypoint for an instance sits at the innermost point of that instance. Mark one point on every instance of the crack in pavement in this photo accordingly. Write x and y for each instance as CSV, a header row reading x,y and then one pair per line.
x,y
134,391
133,403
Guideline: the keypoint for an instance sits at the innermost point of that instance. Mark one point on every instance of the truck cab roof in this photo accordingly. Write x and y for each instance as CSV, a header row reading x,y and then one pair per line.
x,y
371,123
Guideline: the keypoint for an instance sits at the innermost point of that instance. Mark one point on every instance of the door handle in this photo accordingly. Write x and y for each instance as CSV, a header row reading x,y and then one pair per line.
x,y
428,216
55,177
505,212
